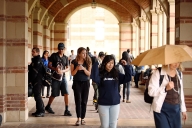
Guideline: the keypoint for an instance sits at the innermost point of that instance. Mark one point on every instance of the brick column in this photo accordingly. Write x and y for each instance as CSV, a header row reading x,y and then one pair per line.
x,y
134,43
184,37
16,78
171,23
52,26
160,27
154,32
30,37
3,60
37,29
46,34
125,37
147,35
142,35
60,34
164,19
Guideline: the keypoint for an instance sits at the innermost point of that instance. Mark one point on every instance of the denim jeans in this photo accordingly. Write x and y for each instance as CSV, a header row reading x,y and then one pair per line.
x,y
109,115
96,92
126,90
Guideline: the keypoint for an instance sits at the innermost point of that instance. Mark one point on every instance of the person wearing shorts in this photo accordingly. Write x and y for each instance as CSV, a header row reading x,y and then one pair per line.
x,y
59,85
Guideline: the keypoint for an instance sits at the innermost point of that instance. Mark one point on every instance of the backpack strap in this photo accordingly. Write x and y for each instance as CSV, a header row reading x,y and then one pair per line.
x,y
179,73
161,76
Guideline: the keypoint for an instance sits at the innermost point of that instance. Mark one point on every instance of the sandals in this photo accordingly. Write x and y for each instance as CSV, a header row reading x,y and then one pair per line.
x,y
77,123
83,122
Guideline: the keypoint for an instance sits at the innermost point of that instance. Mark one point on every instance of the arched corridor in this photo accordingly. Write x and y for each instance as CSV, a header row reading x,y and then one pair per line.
x,y
143,25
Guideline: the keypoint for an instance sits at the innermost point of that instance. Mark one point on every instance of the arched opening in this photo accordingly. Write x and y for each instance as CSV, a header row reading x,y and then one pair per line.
x,y
97,29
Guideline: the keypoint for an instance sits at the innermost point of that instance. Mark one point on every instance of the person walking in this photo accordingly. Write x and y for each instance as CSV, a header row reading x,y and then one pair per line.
x,y
71,57
45,62
81,70
35,79
108,80
58,63
168,102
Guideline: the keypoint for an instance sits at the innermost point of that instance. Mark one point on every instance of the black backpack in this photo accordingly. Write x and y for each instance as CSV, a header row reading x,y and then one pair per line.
x,y
1,119
47,76
147,98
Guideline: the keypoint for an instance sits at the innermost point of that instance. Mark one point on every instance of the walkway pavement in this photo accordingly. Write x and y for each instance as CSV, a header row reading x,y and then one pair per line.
x,y
132,115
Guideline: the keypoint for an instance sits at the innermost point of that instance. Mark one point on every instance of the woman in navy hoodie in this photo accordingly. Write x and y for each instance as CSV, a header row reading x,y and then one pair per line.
x,y
108,80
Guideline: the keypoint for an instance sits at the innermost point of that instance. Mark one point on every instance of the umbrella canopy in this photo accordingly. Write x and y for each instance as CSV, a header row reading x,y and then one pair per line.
x,y
166,54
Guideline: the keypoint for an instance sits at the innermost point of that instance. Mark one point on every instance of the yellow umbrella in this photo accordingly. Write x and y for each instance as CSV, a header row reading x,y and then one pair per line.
x,y
166,54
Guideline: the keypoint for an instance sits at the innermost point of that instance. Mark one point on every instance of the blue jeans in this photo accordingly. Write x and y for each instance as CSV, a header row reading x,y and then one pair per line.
x,y
109,115
170,116
126,90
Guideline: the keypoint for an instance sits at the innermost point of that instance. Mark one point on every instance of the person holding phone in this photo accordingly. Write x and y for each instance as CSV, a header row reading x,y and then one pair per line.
x,y
81,70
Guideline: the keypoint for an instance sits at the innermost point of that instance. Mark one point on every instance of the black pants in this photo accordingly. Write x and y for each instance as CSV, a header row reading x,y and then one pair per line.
x,y
81,92
136,78
37,97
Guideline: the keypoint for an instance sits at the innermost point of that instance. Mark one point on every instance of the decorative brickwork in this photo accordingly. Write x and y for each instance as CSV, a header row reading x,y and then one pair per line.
x,y
2,102
16,102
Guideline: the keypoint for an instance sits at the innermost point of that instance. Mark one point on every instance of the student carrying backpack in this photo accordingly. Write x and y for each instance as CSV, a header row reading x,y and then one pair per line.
x,y
147,98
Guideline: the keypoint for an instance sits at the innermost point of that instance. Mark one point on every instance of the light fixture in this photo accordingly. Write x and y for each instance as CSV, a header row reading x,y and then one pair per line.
x,y
93,4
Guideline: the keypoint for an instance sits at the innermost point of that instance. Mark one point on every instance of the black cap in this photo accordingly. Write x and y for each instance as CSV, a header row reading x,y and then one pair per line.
x,y
61,46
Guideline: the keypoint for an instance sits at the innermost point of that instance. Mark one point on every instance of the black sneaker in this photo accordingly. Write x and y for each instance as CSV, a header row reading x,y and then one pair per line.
x,y
33,114
67,113
49,110
39,115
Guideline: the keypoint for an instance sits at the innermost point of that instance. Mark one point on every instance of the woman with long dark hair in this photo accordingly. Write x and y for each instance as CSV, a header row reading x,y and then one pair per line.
x,y
45,62
81,70
108,79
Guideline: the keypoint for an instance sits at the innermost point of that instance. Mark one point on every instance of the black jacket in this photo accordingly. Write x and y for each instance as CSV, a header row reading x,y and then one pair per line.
x,y
35,73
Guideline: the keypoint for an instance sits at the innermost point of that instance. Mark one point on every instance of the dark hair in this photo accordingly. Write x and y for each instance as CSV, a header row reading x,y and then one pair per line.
x,y
44,53
36,49
128,50
103,72
101,54
125,56
88,49
71,51
87,59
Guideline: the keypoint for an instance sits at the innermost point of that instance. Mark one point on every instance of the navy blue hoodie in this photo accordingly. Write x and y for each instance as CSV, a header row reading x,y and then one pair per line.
x,y
108,87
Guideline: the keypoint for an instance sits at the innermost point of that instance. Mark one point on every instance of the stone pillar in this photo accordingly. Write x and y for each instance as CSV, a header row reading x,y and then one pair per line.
x,y
16,79
147,44
30,36
164,19
154,32
37,29
134,43
142,35
184,37
124,37
160,27
46,34
60,34
52,26
171,23
3,60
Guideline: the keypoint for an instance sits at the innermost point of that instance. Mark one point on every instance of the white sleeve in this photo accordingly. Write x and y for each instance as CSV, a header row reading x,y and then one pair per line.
x,y
121,70
154,89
